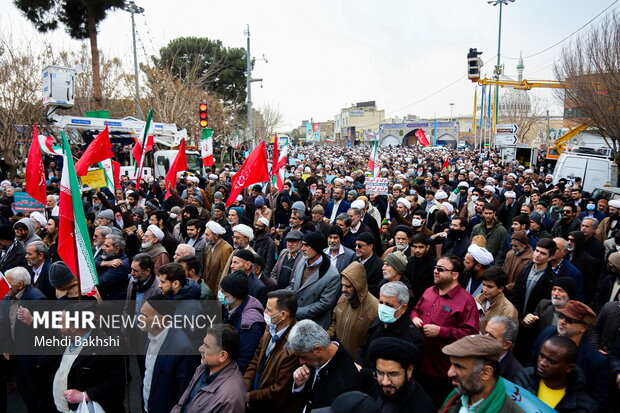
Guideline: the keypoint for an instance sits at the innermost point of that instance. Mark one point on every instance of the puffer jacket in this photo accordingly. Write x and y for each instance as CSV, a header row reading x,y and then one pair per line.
x,y
350,321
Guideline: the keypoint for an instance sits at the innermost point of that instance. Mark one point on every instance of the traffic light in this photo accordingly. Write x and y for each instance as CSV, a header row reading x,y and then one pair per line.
x,y
474,64
204,116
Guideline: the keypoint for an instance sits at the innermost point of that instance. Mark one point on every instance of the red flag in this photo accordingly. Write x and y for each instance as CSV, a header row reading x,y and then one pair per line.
x,y
99,150
446,163
116,172
179,165
253,170
422,139
35,170
137,149
5,287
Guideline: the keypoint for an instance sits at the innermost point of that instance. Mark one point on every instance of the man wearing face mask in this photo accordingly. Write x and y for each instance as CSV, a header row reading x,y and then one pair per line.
x,y
269,376
355,311
392,321
456,241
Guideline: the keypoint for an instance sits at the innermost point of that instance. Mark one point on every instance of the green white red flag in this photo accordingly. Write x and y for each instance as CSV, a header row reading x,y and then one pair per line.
x,y
373,163
35,170
73,238
99,150
206,147
143,145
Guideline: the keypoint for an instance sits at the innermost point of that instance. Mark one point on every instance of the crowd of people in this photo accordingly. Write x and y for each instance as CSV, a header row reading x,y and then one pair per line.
x,y
438,293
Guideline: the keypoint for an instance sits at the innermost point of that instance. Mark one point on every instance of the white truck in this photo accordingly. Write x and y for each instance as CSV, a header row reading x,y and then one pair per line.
x,y
595,168
164,134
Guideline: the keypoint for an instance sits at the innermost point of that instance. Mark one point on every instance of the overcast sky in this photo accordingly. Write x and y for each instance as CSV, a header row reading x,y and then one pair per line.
x,y
327,54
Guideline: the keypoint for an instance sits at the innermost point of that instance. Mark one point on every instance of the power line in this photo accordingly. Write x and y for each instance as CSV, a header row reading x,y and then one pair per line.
x,y
566,38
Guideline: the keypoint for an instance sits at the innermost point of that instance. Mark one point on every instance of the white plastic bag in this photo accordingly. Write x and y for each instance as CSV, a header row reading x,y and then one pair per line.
x,y
88,407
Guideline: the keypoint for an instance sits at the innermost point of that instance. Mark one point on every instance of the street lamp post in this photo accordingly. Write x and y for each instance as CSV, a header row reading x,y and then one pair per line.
x,y
249,81
498,67
133,8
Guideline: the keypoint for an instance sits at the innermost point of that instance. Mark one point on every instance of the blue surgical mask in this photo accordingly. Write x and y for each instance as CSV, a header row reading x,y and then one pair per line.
x,y
590,207
222,297
386,314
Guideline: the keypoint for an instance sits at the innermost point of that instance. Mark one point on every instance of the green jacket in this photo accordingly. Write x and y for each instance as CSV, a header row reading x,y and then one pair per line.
x,y
496,402
494,236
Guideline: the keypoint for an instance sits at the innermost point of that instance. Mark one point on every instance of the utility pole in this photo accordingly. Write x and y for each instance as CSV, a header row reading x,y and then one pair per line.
x,y
133,8
249,80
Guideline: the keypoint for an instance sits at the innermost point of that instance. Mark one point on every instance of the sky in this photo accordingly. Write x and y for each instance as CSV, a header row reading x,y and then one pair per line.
x,y
407,55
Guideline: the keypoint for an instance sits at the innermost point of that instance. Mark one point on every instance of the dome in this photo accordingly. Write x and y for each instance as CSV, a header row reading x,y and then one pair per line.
x,y
514,102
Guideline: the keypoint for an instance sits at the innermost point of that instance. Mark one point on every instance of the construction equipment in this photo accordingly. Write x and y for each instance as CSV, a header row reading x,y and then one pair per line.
x,y
559,145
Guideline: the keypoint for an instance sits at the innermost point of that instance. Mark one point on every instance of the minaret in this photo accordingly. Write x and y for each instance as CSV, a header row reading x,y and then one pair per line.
x,y
520,67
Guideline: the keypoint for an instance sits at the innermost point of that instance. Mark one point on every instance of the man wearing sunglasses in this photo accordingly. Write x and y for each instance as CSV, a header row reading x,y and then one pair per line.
x,y
568,223
445,313
575,319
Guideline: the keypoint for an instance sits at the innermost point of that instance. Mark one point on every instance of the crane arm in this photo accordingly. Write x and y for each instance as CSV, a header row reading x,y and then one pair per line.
x,y
523,85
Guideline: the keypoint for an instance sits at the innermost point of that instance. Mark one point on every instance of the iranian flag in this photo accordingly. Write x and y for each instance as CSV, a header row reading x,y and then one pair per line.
x,y
206,147
278,163
144,144
178,165
73,239
5,287
373,165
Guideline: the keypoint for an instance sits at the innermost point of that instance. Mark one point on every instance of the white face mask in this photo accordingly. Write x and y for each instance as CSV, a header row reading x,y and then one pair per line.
x,y
268,319
474,198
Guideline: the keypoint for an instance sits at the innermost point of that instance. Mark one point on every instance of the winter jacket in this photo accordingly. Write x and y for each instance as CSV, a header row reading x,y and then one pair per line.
x,y
318,296
499,306
113,280
266,249
514,264
223,394
249,322
188,304
576,400
272,390
350,320
494,236
420,274
607,326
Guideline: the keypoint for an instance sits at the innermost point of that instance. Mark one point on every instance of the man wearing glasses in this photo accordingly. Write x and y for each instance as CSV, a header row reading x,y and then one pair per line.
x,y
575,319
396,390
445,313
568,223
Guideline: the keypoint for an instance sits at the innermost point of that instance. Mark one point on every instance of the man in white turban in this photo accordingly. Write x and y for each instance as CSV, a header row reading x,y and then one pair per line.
x,y
151,244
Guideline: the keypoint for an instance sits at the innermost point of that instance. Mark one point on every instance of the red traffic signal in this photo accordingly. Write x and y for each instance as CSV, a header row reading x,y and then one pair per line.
x,y
204,117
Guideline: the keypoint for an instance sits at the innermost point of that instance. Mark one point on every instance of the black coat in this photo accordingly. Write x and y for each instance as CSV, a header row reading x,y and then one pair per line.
x,y
43,282
412,399
374,274
172,372
540,291
510,367
339,376
100,375
403,328
420,274
265,248
576,400
15,257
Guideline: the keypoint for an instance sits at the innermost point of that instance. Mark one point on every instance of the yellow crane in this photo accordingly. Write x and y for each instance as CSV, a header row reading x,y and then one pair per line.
x,y
474,64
